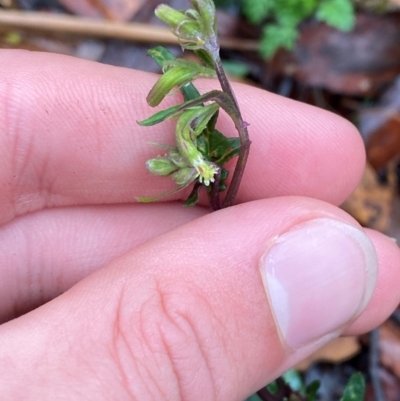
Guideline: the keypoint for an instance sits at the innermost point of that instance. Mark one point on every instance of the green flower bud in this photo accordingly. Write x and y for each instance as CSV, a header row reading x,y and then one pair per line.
x,y
161,166
207,15
176,158
169,15
183,26
185,176
185,135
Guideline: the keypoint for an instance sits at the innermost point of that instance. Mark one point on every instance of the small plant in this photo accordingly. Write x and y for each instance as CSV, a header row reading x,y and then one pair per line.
x,y
286,15
290,387
201,151
281,18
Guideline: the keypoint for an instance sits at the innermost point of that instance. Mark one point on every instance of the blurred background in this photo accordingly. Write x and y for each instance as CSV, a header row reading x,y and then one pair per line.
x,y
339,55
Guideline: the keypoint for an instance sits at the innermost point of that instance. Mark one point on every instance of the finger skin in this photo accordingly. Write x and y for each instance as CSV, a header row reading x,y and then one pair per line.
x,y
385,299
69,136
183,316
43,254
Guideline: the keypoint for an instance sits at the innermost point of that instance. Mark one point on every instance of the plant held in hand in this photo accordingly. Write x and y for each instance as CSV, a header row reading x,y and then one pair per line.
x,y
201,151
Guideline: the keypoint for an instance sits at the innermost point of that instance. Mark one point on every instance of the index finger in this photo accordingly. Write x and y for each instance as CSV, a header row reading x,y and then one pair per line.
x,y
68,136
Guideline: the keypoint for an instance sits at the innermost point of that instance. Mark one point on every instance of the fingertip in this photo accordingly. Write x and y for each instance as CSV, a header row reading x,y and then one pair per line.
x,y
298,149
386,296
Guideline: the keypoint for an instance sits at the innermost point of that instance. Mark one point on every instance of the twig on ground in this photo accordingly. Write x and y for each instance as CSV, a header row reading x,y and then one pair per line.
x,y
137,32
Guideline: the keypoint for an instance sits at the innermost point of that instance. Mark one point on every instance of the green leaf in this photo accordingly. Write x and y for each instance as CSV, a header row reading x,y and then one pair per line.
x,y
161,56
337,13
225,3
254,397
224,176
312,390
235,68
293,379
189,92
193,198
205,57
197,118
273,387
216,95
257,10
163,195
160,116
355,388
179,75
292,12
218,148
222,149
275,37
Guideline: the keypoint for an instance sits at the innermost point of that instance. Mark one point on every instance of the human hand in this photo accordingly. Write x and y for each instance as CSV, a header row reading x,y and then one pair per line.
x,y
170,303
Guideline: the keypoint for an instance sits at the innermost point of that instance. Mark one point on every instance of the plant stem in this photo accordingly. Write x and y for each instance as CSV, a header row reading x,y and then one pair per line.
x,y
214,196
241,127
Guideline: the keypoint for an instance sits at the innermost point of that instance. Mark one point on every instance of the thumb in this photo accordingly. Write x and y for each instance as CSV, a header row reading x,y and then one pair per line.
x,y
212,310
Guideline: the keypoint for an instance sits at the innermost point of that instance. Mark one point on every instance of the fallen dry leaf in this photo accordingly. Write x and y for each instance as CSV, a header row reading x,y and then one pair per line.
x,y
371,202
336,351
384,144
359,62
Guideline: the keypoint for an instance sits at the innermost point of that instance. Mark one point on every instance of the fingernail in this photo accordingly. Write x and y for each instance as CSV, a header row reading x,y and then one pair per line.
x,y
319,276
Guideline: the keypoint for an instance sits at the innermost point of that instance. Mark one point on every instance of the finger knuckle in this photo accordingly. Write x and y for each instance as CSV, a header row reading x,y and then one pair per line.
x,y
160,349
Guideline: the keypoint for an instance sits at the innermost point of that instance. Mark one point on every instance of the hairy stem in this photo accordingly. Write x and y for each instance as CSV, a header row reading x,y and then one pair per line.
x,y
241,127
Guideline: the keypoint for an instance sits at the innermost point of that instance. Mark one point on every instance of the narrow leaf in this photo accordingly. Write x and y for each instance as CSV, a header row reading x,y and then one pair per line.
x,y
163,195
312,390
205,56
161,55
355,388
176,76
189,92
160,116
179,75
205,71
193,198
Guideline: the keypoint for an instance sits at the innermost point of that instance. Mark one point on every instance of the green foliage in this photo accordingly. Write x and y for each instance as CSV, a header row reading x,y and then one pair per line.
x,y
236,68
273,387
276,36
223,3
293,386
254,397
293,379
282,19
355,388
311,390
337,13
257,10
